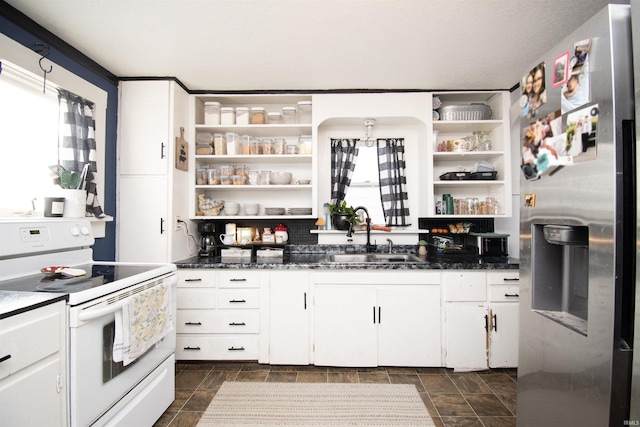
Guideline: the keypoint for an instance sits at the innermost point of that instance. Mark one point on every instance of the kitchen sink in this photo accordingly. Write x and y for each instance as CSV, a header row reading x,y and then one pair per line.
x,y
372,258
396,258
353,258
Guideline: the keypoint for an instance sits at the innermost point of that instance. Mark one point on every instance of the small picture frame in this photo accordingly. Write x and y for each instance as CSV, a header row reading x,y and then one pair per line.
x,y
560,69
268,238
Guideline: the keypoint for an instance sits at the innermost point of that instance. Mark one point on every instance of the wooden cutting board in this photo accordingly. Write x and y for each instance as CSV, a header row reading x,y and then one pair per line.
x,y
182,151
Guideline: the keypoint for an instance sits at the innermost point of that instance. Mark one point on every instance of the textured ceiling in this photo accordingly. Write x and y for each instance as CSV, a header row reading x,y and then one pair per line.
x,y
315,44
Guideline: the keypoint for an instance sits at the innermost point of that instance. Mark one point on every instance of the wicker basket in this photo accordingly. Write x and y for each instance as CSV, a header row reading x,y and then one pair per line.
x,y
465,112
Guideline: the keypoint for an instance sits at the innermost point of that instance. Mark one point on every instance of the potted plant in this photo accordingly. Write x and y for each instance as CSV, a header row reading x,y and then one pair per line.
x,y
343,216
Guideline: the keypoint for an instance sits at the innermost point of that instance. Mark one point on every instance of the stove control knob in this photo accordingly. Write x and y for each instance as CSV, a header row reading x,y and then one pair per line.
x,y
85,231
74,231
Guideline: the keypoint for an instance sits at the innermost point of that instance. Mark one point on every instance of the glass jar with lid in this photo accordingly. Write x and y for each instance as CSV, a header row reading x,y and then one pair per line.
x,y
305,144
227,116
304,112
242,115
258,116
274,118
289,115
212,113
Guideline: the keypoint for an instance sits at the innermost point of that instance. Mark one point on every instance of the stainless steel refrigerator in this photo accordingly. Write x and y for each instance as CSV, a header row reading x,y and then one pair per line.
x,y
578,228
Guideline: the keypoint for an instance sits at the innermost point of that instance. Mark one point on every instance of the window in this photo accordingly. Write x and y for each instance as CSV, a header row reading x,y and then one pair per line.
x,y
365,184
28,140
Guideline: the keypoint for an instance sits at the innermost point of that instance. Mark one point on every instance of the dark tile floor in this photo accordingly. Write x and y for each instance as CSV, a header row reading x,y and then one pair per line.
x,y
474,399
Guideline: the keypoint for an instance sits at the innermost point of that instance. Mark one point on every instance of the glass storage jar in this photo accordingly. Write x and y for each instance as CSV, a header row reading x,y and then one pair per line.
x,y
219,144
212,113
305,144
258,116
289,115
242,115
227,116
274,118
304,112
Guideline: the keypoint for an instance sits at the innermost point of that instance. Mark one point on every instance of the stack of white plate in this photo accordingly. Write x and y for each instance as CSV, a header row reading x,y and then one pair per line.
x,y
274,211
299,211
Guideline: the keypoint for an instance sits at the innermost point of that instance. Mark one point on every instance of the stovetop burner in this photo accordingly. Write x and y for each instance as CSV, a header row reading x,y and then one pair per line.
x,y
97,275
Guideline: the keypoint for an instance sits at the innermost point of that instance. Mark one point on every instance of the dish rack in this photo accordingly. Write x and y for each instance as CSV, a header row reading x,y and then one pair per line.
x,y
471,111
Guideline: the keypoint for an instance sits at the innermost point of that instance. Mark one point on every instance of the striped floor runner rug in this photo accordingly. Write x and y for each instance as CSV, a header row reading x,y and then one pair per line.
x,y
316,404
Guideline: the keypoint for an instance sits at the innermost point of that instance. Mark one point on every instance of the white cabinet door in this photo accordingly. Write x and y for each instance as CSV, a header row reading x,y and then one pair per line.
x,y
503,339
409,326
144,127
345,326
143,219
289,318
32,397
466,335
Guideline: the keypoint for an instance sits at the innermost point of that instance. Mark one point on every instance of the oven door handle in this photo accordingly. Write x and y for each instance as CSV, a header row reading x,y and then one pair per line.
x,y
89,315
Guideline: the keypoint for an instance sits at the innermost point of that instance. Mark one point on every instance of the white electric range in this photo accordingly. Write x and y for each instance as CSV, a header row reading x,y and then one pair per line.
x,y
100,390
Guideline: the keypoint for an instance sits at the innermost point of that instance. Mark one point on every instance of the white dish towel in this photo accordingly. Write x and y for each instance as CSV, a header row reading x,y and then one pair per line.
x,y
143,321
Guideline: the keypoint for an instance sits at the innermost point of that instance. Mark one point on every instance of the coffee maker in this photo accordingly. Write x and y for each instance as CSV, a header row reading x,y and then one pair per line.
x,y
207,239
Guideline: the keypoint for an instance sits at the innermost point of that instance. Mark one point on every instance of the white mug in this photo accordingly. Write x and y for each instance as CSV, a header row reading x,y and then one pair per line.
x,y
228,239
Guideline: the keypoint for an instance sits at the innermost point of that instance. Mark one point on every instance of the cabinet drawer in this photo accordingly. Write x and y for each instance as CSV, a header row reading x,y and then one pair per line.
x,y
503,277
195,278
239,279
504,293
196,298
218,322
465,286
29,337
243,347
239,298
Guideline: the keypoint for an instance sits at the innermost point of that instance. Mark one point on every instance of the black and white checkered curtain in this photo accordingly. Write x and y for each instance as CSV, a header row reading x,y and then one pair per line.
x,y
77,143
393,182
343,161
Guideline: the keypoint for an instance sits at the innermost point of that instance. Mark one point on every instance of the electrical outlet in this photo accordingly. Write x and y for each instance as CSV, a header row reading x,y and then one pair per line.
x,y
177,222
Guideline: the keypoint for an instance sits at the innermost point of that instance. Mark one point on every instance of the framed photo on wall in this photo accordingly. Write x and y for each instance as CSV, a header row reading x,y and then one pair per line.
x,y
560,69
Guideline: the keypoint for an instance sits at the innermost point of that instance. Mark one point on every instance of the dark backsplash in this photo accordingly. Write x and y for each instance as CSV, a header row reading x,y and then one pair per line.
x,y
298,228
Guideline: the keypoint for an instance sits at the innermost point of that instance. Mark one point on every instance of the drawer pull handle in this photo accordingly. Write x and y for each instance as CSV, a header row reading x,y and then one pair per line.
x,y
512,295
237,300
236,348
193,280
3,358
237,280
511,279
192,348
193,323
237,324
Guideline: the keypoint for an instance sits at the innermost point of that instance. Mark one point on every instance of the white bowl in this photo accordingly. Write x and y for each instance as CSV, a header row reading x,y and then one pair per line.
x,y
280,178
231,210
251,208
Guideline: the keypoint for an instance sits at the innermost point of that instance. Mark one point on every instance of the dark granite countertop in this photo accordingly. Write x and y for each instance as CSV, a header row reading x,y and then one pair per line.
x,y
314,257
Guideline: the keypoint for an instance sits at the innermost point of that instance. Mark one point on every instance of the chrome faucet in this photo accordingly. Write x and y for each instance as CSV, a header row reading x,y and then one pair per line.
x,y
369,247
390,242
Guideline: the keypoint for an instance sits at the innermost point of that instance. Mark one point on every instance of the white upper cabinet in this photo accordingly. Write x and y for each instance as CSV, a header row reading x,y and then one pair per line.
x,y
145,127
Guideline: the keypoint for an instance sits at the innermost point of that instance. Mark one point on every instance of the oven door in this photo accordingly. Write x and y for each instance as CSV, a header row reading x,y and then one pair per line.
x,y
96,382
